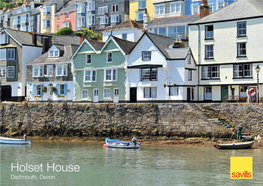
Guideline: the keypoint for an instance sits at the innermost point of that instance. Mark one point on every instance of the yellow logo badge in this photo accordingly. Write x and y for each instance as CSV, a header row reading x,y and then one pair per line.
x,y
241,167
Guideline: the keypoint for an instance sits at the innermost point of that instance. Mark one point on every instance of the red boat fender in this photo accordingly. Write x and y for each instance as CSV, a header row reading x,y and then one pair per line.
x,y
252,92
105,146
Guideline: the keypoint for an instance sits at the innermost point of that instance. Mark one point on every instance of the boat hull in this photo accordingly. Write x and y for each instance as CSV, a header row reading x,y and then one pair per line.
x,y
111,143
13,141
247,145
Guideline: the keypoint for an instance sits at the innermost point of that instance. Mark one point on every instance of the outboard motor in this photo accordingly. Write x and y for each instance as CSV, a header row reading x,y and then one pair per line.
x,y
134,141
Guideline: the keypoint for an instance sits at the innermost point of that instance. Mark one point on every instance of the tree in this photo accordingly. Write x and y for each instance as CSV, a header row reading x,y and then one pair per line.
x,y
8,5
89,34
64,31
20,2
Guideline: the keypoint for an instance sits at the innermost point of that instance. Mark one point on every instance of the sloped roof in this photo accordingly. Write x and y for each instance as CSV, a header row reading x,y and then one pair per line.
x,y
66,53
129,24
173,20
125,45
236,10
66,39
97,45
21,36
69,7
177,53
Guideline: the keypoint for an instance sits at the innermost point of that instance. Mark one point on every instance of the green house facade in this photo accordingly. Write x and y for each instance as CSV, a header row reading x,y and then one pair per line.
x,y
99,70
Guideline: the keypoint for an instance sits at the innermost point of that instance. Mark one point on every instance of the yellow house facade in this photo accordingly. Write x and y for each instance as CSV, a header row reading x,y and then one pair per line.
x,y
138,7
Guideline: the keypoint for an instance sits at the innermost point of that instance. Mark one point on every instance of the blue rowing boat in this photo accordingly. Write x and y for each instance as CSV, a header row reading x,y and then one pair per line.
x,y
112,143
13,141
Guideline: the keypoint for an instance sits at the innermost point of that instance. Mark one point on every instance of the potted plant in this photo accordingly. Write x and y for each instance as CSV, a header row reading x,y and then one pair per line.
x,y
164,85
37,96
261,100
44,89
53,90
61,96
174,84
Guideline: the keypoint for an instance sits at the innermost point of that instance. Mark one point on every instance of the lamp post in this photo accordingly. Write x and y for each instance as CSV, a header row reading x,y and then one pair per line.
x,y
258,70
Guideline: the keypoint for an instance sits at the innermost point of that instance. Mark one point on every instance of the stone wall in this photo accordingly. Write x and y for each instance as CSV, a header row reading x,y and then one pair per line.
x,y
125,120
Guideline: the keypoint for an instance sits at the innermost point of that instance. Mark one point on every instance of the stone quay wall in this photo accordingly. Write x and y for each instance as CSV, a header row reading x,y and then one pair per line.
x,y
145,121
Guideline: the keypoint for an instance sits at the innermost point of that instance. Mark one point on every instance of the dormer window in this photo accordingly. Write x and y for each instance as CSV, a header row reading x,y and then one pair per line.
x,y
56,53
53,53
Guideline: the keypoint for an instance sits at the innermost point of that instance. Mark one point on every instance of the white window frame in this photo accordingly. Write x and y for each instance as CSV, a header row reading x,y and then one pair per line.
x,y
111,75
223,4
175,7
90,19
207,52
64,69
45,25
63,93
209,34
49,67
146,55
159,10
85,90
104,97
239,49
58,18
150,92
116,5
174,91
104,20
238,29
102,10
91,76
190,75
3,71
212,8
47,10
115,18
206,96
107,56
13,68
13,57
87,59
198,9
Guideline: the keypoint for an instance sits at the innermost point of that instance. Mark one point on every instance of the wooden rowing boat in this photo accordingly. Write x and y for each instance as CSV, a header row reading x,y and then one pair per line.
x,y
244,145
13,141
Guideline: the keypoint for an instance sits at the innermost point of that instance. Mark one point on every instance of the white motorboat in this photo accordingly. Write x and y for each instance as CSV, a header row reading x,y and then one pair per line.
x,y
13,141
111,143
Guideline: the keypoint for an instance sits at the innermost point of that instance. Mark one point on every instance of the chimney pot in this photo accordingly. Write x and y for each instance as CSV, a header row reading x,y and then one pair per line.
x,y
81,39
34,38
204,9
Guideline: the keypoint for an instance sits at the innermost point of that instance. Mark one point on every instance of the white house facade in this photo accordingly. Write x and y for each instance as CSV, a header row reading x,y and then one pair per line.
x,y
160,69
227,46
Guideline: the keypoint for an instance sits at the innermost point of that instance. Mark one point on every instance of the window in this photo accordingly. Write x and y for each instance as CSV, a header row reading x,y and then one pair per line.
x,y
146,55
11,72
51,53
242,70
150,92
159,9
58,17
196,9
243,91
103,20
49,70
115,19
58,28
90,6
149,74
66,24
173,91
106,93
90,19
189,75
222,5
84,94
189,59
67,16
90,75
88,59
210,8
208,93
62,70
176,7
3,72
209,32
102,10
80,8
4,39
115,8
3,54
110,74
56,53
241,50
38,71
11,54
38,89
175,32
46,23
41,71
209,51
211,72
139,15
109,57
124,36
47,10
241,29
61,89
142,4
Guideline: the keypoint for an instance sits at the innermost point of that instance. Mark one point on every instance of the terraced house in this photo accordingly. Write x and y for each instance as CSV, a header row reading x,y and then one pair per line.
x,y
85,14
16,50
99,70
49,77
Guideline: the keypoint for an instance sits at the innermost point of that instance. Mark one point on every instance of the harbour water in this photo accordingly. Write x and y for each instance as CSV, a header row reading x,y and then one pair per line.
x,y
150,165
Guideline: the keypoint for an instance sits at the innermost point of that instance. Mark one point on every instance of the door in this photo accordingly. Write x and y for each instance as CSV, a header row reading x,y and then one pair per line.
x,y
95,95
188,94
6,93
133,94
116,95
50,94
224,93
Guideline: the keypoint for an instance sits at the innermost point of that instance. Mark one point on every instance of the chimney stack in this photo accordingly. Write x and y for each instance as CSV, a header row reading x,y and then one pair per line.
x,y
204,9
34,38
81,39
145,18
45,45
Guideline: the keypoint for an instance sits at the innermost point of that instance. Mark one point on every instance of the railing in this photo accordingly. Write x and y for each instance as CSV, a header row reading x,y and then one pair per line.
x,y
232,98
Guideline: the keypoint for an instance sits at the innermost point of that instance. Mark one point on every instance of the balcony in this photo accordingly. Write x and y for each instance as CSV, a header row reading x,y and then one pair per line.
x,y
46,16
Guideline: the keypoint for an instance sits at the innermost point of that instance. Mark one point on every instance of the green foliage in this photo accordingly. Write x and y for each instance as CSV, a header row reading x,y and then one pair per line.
x,y
64,31
8,5
89,34
53,90
44,89
20,2
154,105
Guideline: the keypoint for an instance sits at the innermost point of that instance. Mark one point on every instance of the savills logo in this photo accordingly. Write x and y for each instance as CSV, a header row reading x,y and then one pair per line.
x,y
241,167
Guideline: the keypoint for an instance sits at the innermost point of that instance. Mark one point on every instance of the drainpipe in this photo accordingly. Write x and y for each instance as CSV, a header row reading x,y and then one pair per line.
x,y
199,59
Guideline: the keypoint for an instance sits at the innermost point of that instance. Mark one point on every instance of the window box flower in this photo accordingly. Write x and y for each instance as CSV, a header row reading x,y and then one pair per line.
x,y
61,96
37,96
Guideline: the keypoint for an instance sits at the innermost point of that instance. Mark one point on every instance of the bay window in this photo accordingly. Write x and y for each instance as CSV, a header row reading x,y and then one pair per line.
x,y
102,10
103,20
90,19
110,75
150,92
149,74
62,70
